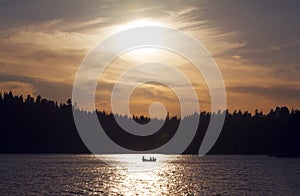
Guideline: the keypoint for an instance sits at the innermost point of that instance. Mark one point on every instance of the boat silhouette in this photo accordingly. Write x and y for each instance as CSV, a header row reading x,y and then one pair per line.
x,y
151,159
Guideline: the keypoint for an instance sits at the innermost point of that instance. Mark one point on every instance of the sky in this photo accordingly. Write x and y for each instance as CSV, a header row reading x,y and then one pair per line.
x,y
256,45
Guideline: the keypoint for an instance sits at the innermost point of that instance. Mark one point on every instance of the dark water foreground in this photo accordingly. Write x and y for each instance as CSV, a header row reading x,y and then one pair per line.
x,y
128,175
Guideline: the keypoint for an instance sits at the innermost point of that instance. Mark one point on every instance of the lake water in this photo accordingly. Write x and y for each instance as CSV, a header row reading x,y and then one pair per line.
x,y
128,175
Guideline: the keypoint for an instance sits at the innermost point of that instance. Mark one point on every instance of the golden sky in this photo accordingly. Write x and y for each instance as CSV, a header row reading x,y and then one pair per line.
x,y
256,45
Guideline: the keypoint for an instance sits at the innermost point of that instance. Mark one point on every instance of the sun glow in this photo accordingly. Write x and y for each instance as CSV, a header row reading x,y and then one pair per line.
x,y
140,23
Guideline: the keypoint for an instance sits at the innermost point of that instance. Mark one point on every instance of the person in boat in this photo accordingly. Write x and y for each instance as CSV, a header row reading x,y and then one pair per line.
x,y
150,159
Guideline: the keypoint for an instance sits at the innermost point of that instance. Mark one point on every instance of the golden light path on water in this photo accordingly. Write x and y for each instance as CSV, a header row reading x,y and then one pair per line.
x,y
133,176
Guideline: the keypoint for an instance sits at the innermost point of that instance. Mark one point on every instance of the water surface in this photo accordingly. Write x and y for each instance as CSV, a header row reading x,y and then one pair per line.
x,y
128,175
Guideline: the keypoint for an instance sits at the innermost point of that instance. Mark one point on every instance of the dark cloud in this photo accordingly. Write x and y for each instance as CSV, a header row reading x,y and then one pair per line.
x,y
18,11
263,25
263,22
279,92
14,13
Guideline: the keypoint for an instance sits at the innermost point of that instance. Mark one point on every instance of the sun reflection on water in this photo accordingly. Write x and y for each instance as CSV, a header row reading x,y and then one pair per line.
x,y
133,176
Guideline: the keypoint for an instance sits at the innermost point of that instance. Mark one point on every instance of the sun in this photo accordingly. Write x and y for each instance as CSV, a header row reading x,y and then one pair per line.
x,y
144,22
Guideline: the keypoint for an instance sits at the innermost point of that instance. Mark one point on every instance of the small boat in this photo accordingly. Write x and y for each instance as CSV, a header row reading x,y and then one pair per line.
x,y
151,159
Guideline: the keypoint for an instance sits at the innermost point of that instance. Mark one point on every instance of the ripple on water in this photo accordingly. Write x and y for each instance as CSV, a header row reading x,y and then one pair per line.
x,y
86,175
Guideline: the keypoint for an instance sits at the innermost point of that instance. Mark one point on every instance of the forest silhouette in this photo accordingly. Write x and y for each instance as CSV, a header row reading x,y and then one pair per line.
x,y
38,125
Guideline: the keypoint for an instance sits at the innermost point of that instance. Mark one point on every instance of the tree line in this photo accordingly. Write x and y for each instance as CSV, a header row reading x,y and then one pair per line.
x,y
39,125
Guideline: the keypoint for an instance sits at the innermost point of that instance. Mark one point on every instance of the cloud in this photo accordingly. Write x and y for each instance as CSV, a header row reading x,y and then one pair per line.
x,y
257,42
264,26
28,85
17,87
237,57
282,92
56,40
38,62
